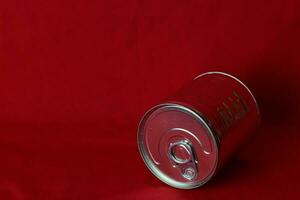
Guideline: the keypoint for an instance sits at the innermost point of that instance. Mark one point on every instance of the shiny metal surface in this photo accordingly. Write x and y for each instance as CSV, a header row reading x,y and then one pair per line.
x,y
178,146
186,140
237,80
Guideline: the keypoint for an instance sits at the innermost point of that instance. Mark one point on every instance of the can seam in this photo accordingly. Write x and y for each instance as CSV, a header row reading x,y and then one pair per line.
x,y
149,163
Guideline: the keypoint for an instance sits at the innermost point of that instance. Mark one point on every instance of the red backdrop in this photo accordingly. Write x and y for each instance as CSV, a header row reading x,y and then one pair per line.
x,y
76,76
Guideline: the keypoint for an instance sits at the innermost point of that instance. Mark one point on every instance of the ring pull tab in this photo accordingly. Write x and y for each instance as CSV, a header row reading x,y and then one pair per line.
x,y
182,156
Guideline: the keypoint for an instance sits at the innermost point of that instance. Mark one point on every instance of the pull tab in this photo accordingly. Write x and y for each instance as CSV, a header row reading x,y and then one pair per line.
x,y
183,157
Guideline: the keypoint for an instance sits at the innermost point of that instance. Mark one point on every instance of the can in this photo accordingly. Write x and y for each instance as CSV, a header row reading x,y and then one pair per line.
x,y
188,138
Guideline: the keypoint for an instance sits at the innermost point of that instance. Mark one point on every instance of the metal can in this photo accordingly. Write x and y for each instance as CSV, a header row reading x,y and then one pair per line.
x,y
190,136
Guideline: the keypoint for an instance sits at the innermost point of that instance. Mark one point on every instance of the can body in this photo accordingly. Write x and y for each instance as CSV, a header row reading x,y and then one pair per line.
x,y
186,139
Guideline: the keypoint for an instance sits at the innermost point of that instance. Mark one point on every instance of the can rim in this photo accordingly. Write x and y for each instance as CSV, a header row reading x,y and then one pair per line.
x,y
149,163
240,82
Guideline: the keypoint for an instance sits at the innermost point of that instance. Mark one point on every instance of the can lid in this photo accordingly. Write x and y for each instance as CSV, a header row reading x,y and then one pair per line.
x,y
178,146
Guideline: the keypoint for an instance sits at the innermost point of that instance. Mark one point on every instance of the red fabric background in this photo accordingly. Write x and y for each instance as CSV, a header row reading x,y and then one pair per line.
x,y
76,76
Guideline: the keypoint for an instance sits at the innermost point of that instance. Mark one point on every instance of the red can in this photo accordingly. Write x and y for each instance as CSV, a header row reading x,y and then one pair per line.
x,y
185,140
